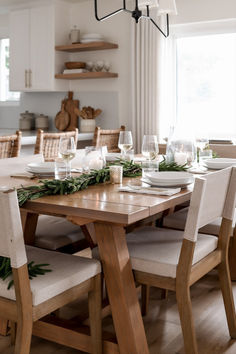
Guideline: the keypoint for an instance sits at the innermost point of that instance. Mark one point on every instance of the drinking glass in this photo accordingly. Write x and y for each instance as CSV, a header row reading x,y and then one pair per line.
x,y
67,151
125,142
150,147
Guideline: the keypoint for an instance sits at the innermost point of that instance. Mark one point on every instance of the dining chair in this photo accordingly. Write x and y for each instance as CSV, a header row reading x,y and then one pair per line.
x,y
175,260
10,145
48,143
107,138
177,220
30,300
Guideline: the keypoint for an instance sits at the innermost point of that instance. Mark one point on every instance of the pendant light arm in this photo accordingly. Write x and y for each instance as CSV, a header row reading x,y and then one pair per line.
x,y
112,13
167,26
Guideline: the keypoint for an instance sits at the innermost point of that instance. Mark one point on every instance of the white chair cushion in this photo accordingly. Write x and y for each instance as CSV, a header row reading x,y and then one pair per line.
x,y
67,272
157,250
177,221
53,232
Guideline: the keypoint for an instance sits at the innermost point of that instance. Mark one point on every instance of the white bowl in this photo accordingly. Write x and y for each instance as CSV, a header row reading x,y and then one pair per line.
x,y
219,163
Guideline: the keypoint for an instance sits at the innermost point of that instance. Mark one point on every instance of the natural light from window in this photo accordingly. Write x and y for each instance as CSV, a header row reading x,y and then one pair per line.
x,y
206,85
5,94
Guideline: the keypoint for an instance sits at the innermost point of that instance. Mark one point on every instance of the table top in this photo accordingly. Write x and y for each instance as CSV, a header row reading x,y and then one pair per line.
x,y
100,202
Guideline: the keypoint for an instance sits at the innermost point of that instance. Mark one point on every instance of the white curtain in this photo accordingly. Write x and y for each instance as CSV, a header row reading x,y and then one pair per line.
x,y
149,80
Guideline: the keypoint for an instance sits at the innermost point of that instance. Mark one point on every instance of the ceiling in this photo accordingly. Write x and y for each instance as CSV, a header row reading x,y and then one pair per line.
x,y
6,4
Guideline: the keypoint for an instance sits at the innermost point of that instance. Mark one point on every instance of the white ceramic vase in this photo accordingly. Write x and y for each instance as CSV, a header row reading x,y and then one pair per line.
x,y
87,125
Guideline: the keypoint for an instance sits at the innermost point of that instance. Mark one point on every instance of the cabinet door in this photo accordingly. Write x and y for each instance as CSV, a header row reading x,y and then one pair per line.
x,y
41,48
19,50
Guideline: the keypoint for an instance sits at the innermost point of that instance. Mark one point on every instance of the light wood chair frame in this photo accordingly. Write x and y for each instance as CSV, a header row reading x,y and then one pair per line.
x,y
27,317
188,274
15,147
99,133
42,137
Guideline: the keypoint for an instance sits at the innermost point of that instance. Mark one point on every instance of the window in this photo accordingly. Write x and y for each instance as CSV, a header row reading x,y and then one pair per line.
x,y
5,94
206,84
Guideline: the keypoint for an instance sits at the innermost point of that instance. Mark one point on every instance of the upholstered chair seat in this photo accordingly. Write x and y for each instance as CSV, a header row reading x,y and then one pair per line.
x,y
67,272
54,232
157,251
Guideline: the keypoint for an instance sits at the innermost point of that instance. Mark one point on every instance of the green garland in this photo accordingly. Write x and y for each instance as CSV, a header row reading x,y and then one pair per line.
x,y
33,269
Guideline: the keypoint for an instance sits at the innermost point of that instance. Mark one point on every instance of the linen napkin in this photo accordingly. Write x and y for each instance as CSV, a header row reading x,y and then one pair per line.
x,y
150,190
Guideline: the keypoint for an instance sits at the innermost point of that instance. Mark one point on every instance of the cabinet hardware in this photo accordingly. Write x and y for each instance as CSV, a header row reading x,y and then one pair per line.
x,y
26,78
30,78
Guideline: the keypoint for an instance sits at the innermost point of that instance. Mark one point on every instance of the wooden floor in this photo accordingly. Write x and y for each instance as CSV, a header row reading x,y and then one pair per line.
x,y
162,324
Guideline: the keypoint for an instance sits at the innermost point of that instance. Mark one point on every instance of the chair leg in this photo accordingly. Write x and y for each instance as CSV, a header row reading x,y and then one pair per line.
x,y
226,288
145,293
95,316
23,336
13,332
3,327
186,319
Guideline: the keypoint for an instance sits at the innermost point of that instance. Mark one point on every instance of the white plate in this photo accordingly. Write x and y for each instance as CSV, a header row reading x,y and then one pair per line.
x,y
170,177
166,184
41,167
113,156
219,163
91,40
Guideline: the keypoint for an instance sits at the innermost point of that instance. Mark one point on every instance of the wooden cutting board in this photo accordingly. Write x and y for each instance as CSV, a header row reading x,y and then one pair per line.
x,y
70,106
62,119
67,118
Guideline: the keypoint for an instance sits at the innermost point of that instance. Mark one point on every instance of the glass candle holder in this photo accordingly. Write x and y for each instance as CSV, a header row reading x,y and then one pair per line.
x,y
116,174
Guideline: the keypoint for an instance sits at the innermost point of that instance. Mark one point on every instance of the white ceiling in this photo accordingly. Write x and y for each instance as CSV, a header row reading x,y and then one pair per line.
x,y
5,5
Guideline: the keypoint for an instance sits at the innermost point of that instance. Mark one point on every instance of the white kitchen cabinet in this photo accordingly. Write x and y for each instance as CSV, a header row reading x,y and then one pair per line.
x,y
32,54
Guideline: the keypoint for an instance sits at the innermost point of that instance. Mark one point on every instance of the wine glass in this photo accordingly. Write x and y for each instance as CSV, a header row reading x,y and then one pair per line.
x,y
150,147
67,150
125,142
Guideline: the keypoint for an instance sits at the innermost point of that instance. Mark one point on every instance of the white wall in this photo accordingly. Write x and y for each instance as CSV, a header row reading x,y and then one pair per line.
x,y
111,95
204,10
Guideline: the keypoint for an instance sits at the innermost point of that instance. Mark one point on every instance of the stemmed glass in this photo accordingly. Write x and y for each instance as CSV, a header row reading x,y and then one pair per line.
x,y
125,142
67,150
150,147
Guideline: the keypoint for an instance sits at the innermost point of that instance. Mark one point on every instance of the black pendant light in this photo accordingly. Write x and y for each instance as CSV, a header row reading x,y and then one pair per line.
x,y
138,13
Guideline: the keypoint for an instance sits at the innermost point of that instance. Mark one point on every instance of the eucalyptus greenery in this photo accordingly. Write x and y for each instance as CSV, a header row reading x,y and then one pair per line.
x,y
171,166
33,269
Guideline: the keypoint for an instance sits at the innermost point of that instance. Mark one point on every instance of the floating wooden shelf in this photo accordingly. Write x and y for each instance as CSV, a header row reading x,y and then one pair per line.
x,y
89,75
86,47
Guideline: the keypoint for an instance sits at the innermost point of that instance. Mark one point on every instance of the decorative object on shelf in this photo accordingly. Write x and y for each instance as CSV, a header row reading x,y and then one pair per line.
x,y
89,66
180,149
99,65
75,65
27,121
165,7
107,66
87,121
92,37
74,35
67,118
42,122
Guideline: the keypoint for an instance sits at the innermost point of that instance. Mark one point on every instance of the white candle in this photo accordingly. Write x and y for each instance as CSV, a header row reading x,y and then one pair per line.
x,y
116,174
96,164
180,158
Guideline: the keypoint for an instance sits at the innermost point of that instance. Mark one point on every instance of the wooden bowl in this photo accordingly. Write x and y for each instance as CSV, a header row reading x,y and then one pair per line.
x,y
75,65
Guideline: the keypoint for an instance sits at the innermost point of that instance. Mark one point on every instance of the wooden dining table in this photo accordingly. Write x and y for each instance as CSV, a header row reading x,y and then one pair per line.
x,y
107,212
